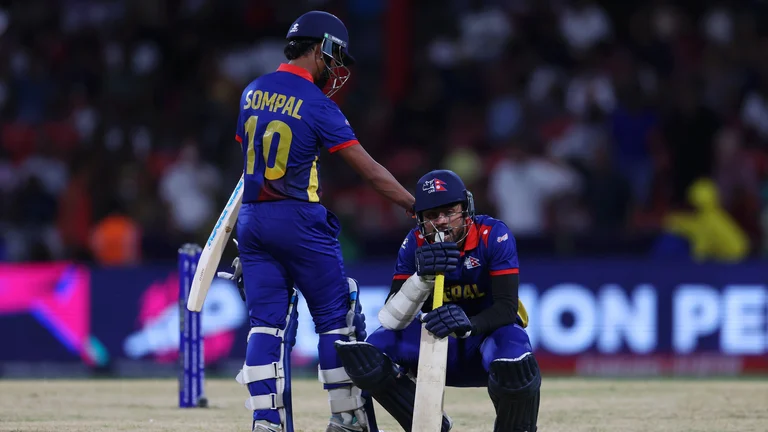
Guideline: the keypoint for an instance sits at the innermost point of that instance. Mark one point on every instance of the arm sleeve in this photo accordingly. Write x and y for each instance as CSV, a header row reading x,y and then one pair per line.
x,y
406,258
503,311
332,127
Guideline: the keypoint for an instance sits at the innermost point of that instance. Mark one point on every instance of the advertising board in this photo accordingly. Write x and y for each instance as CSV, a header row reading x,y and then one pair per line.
x,y
591,317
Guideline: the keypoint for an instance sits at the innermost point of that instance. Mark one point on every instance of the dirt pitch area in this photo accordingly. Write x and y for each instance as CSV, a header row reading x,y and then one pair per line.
x,y
567,405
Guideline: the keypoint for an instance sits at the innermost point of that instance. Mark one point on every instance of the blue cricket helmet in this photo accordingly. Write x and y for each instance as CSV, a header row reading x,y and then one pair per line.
x,y
441,188
325,27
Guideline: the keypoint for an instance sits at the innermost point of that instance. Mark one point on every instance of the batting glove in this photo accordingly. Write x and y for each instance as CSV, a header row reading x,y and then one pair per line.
x,y
237,276
433,258
446,320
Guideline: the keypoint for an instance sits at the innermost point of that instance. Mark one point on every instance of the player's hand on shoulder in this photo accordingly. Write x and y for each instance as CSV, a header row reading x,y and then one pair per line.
x,y
446,320
433,258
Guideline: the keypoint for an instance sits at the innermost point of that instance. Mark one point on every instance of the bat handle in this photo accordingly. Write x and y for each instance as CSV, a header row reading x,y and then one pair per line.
x,y
437,296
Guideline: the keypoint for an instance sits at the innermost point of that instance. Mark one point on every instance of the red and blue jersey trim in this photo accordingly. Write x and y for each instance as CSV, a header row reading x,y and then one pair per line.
x,y
504,272
343,145
296,70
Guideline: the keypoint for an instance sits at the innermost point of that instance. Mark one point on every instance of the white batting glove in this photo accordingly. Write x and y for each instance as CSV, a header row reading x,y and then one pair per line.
x,y
237,275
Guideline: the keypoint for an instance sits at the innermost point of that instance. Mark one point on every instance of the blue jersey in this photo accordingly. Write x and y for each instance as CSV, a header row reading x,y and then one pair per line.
x,y
489,250
285,120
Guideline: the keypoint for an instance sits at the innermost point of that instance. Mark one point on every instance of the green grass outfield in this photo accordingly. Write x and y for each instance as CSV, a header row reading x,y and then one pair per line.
x,y
568,404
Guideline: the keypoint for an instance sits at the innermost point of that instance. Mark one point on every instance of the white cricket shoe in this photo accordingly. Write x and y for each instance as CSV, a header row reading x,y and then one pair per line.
x,y
265,426
336,424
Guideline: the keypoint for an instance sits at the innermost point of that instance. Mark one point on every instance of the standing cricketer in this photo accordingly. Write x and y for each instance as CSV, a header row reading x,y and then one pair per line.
x,y
286,237
489,346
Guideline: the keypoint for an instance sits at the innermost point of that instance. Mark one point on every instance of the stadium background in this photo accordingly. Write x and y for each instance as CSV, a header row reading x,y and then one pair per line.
x,y
584,125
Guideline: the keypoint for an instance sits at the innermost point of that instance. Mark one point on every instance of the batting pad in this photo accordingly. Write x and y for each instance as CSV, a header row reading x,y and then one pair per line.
x,y
343,396
331,371
280,399
514,387
376,374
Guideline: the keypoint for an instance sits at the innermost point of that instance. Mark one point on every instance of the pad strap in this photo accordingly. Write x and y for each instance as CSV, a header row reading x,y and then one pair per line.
x,y
276,332
264,402
333,376
401,309
345,331
251,374
345,399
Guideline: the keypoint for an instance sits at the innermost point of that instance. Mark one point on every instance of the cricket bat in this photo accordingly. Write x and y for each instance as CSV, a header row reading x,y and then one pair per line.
x,y
214,247
430,378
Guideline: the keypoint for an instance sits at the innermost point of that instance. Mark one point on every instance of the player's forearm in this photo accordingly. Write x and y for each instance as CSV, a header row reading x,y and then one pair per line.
x,y
377,176
385,183
504,309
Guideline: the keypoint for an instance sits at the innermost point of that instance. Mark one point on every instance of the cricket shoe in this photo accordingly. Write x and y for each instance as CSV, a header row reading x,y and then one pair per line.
x,y
265,426
337,424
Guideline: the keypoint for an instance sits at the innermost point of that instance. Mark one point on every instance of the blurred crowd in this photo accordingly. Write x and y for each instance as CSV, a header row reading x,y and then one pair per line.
x,y
582,124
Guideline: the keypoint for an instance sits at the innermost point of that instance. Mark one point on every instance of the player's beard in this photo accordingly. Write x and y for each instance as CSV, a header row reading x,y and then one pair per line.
x,y
323,79
455,234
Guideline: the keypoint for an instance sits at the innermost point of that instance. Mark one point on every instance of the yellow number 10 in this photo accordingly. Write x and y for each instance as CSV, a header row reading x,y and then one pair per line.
x,y
283,147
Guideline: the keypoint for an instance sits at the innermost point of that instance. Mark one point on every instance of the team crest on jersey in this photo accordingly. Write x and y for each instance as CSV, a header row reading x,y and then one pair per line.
x,y
471,262
434,185
500,239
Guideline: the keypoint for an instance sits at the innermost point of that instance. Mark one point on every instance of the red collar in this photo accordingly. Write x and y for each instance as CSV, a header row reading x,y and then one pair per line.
x,y
472,238
300,71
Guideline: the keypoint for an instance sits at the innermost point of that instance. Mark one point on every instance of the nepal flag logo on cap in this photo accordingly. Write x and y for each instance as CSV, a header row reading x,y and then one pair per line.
x,y
434,185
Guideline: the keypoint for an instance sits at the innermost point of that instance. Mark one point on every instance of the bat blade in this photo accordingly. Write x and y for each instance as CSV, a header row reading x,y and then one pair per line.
x,y
214,247
430,378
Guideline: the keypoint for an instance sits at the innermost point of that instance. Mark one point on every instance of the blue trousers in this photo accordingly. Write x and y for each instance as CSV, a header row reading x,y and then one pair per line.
x,y
468,359
282,244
